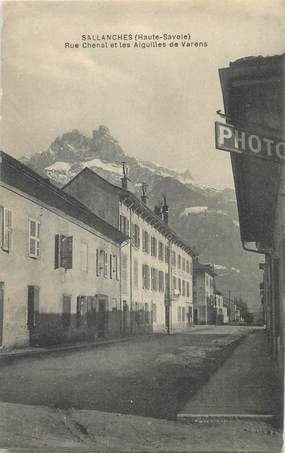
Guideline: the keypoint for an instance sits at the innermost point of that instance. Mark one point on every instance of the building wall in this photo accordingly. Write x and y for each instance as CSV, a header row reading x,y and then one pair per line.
x,y
150,302
278,281
18,270
204,294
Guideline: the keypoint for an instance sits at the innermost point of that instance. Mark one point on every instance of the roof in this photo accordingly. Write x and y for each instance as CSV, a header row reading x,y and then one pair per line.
x,y
204,268
18,175
131,200
253,93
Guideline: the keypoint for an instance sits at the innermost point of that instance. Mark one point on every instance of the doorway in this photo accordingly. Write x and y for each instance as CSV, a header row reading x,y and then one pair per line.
x,y
101,317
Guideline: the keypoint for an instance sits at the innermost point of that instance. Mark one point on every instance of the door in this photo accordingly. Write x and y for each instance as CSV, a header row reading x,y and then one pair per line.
x,y
101,318
195,316
33,311
1,311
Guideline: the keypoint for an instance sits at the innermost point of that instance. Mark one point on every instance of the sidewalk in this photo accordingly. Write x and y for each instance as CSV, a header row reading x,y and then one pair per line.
x,y
244,387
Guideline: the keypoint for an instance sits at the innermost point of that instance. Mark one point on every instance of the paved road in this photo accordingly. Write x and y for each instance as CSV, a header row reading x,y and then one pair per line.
x,y
151,376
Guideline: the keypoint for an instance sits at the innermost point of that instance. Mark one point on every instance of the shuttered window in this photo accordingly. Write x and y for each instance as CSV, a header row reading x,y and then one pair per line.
x,y
145,244
63,251
153,279
34,238
160,281
116,267
160,251
6,229
136,236
188,289
145,276
105,265
124,225
153,246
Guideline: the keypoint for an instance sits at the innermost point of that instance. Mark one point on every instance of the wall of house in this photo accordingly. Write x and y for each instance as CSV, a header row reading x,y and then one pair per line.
x,y
97,194
150,302
278,295
18,271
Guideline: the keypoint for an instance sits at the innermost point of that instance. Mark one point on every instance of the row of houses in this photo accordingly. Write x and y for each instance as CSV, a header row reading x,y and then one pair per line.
x,y
91,260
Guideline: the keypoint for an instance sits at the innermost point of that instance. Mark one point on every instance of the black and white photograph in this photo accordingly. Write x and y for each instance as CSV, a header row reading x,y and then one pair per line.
x,y
142,226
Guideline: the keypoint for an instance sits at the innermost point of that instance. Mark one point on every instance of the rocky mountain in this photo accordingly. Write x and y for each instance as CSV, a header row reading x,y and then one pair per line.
x,y
205,217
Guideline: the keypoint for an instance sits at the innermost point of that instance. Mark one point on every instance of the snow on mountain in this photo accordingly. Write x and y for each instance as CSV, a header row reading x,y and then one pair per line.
x,y
184,177
98,163
59,166
194,210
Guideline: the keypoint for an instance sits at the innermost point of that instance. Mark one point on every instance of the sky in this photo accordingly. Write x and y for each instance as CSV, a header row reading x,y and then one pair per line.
x,y
159,103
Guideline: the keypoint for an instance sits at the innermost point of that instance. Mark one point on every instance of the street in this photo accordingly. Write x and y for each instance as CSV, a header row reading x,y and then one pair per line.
x,y
149,376
95,398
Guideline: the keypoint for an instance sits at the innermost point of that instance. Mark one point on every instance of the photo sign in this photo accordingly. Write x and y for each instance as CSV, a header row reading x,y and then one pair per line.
x,y
230,138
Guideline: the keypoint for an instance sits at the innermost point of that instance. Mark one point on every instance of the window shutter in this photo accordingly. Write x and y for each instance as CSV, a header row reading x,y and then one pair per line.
x,y
105,264
6,229
57,251
111,266
37,304
1,226
97,262
69,252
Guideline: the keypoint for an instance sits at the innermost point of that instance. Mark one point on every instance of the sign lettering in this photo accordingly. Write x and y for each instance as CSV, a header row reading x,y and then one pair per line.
x,y
229,138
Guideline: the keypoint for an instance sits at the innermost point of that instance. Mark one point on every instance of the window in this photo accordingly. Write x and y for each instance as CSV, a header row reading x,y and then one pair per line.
x,y
166,283
183,314
81,310
174,282
187,267
136,274
179,285
102,263
179,261
160,281
124,225
6,229
183,287
136,236
66,310
153,279
183,264
145,276
153,246
84,256
174,259
166,254
63,251
145,244
188,289
160,251
34,238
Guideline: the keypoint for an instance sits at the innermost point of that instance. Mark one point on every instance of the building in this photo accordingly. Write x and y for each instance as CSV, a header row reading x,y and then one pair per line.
x,y
59,264
157,265
204,293
253,93
221,309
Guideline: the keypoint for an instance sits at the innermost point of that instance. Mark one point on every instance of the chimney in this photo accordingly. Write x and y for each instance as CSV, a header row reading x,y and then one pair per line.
x,y
165,210
124,179
144,196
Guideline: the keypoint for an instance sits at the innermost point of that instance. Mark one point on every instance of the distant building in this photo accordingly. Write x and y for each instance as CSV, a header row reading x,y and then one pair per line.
x,y
221,309
253,93
59,264
204,293
157,265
